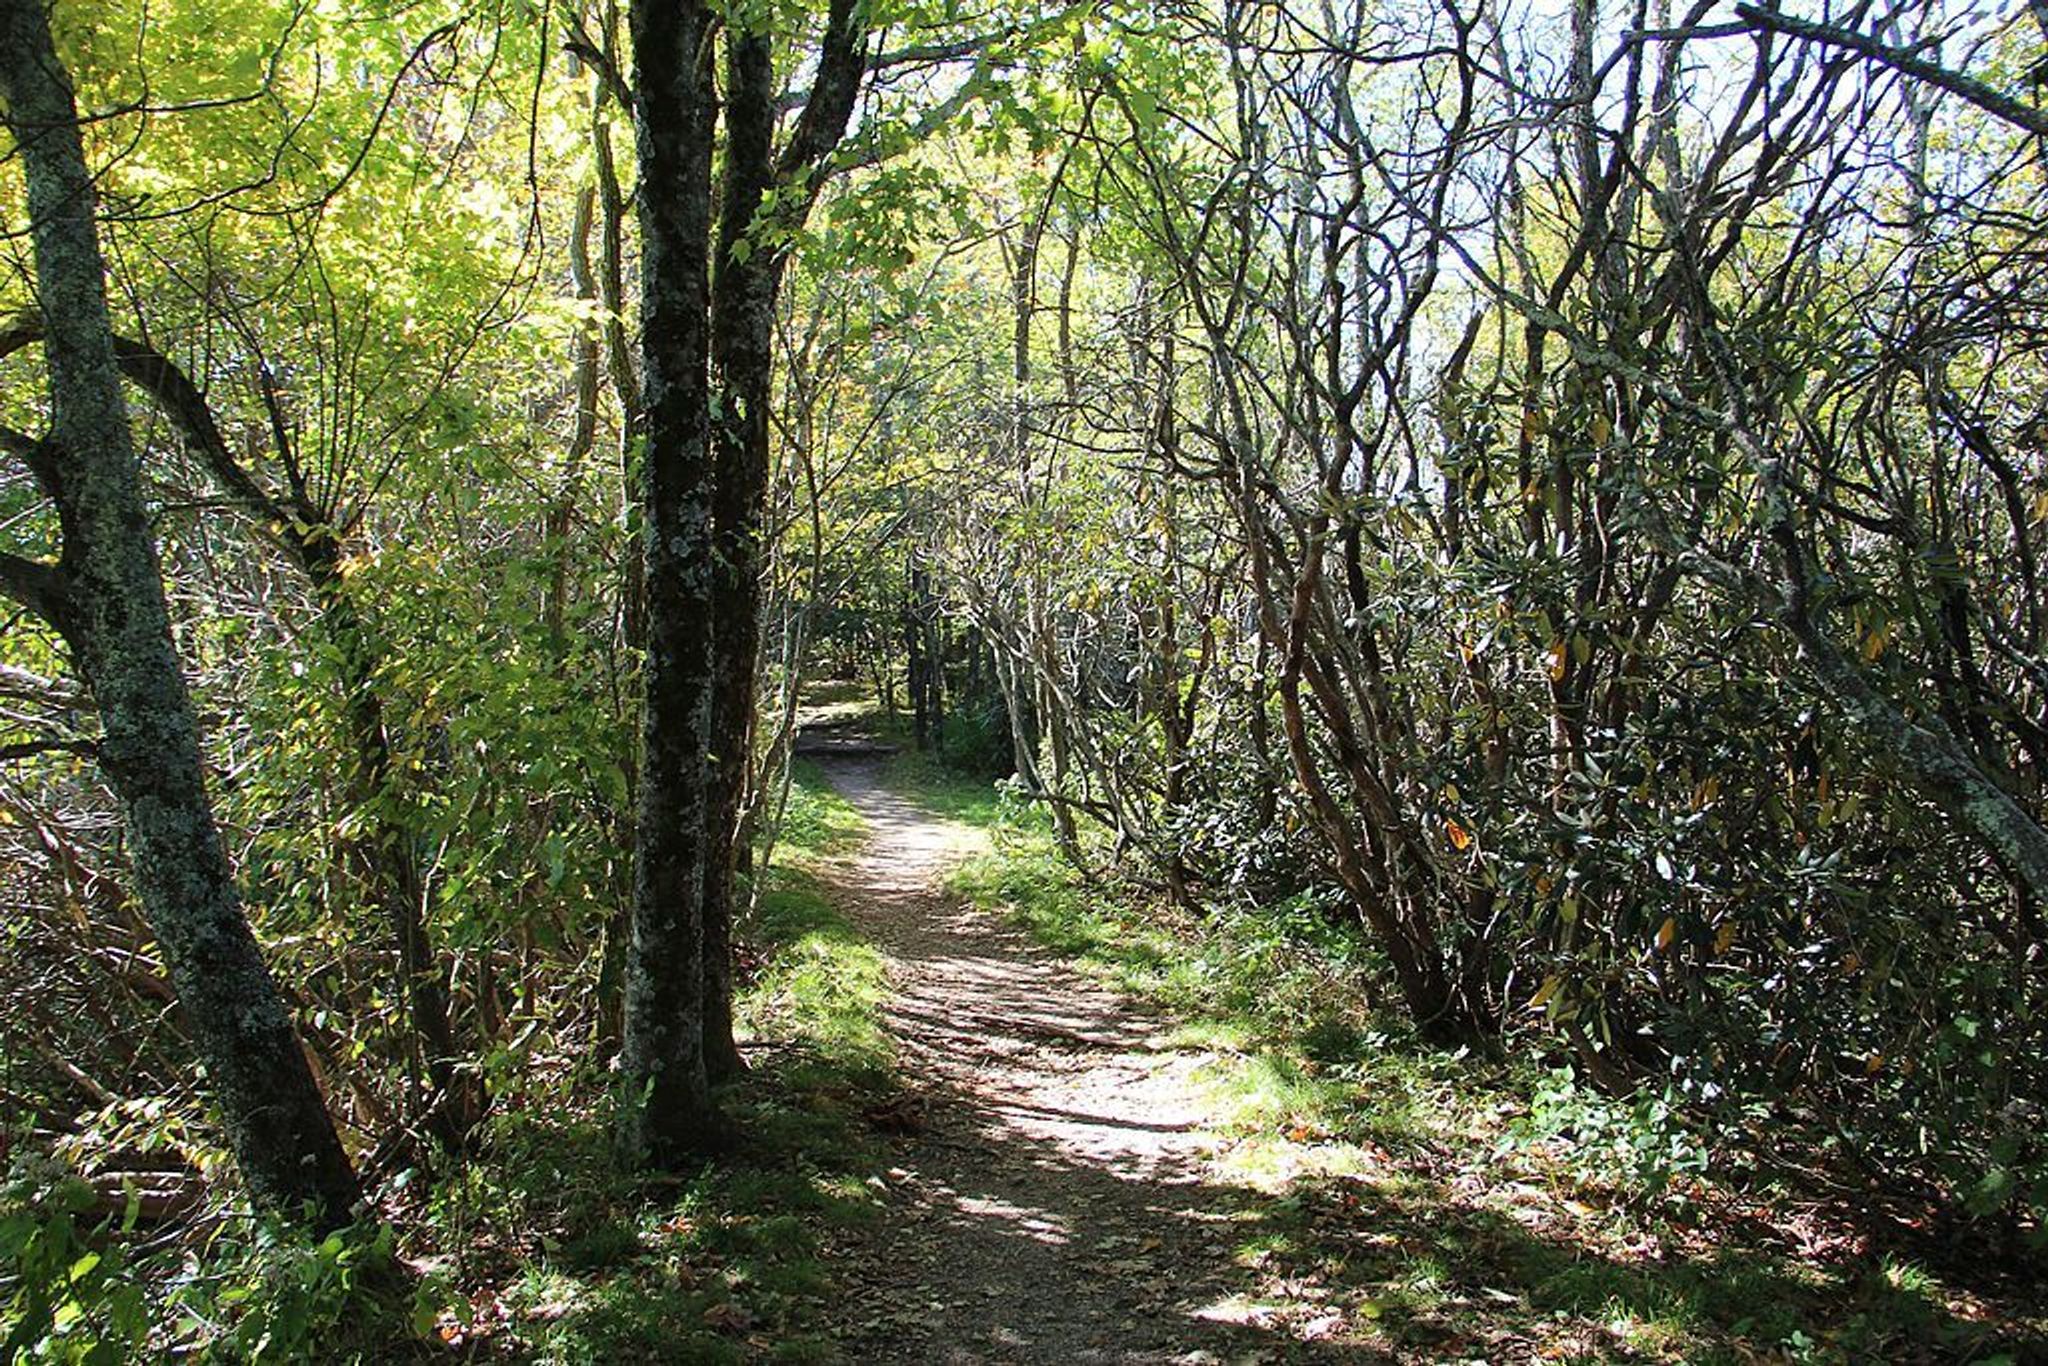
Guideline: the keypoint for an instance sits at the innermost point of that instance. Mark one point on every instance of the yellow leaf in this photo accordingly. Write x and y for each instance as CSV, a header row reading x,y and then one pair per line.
x,y
1544,992
1557,661
1666,932
1460,840
1724,938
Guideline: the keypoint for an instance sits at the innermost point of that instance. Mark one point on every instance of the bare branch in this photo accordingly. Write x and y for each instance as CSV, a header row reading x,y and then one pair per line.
x,y
1903,61
30,686
178,398
28,749
37,585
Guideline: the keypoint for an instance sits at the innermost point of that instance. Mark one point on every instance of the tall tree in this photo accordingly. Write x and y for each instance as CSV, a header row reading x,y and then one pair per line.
x,y
766,194
708,370
667,1105
104,595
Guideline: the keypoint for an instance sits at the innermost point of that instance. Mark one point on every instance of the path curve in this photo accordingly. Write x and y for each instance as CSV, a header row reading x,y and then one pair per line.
x,y
1052,1198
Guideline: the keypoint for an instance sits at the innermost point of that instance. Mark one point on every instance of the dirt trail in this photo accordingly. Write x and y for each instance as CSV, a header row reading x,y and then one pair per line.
x,y
1052,1199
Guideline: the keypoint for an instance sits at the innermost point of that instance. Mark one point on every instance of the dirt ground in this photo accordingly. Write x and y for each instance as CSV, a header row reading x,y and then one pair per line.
x,y
1052,1198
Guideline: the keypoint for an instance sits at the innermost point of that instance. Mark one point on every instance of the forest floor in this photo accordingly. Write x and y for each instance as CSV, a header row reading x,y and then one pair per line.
x,y
1053,1199
1000,1111
1102,1147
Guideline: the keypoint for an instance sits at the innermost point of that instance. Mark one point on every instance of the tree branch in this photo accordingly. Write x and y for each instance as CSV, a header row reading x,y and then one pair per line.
x,y
585,48
1903,61
38,586
37,455
28,749
841,68
933,119
918,54
178,399
30,686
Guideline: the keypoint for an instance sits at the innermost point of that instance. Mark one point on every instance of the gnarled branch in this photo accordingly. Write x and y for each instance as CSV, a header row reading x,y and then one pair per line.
x,y
1902,60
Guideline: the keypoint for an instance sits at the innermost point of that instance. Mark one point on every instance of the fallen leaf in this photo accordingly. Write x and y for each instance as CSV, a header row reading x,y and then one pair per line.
x,y
728,1317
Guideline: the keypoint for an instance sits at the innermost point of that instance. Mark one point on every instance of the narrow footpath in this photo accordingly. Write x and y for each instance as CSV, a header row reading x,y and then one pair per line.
x,y
1052,1197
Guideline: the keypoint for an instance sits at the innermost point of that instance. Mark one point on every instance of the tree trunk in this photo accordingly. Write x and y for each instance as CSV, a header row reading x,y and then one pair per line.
x,y
106,596
706,480
666,1110
752,250
742,318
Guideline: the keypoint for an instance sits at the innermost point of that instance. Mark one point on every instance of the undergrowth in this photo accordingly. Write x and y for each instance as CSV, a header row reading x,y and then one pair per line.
x,y
727,1264
539,1248
1457,1207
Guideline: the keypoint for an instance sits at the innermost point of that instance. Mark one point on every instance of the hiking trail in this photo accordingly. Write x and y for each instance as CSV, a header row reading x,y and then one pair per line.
x,y
1051,1198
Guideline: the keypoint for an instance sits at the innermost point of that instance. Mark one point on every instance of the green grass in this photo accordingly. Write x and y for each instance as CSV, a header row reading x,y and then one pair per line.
x,y
820,995
1390,1175
956,796
566,1260
817,821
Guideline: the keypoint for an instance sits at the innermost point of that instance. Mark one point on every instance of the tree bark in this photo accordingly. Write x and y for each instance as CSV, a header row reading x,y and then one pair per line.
x,y
742,318
105,595
752,251
666,1111
708,370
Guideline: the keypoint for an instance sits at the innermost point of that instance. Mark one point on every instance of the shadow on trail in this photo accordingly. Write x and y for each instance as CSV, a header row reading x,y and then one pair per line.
x,y
1054,1199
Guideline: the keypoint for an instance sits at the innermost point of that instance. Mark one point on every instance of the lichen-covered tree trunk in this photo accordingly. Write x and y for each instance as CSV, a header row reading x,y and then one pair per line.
x,y
105,595
752,252
742,322
667,1111
707,385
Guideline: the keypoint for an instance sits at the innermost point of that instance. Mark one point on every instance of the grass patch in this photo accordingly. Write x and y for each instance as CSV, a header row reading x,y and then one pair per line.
x,y
820,993
947,792
566,1260
816,821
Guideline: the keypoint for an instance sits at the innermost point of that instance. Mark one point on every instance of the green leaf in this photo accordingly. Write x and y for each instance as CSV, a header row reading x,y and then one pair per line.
x,y
1144,110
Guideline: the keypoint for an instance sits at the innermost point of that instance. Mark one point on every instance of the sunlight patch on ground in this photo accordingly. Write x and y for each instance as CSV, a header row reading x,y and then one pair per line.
x,y
1244,1309
1039,1225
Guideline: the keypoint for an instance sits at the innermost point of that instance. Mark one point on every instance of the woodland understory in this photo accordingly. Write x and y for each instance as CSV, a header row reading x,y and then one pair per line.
x,y
1474,563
